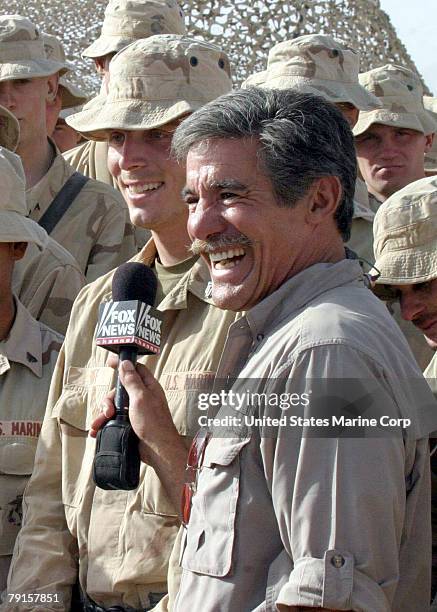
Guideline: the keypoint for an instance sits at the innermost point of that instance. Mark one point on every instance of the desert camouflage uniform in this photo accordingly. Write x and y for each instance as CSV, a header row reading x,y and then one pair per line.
x,y
95,229
27,360
47,281
123,539
405,246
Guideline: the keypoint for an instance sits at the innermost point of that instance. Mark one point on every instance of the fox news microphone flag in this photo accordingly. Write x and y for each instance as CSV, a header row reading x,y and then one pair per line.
x,y
129,325
130,319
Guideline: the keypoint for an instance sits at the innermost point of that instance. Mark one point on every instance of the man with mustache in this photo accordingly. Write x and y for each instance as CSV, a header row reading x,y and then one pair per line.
x,y
121,559
292,514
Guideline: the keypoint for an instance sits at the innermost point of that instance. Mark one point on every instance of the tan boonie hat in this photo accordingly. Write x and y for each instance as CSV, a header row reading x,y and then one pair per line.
x,y
405,235
316,64
155,81
9,129
22,53
128,20
71,95
430,105
400,92
14,225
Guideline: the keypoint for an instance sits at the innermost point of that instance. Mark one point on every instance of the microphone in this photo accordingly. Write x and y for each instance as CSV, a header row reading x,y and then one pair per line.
x,y
129,325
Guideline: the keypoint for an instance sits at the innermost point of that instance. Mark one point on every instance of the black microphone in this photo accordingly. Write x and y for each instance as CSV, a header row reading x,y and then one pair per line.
x,y
129,325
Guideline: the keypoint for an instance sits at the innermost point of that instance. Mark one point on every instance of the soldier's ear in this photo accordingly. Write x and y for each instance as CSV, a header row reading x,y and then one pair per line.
x,y
52,87
18,250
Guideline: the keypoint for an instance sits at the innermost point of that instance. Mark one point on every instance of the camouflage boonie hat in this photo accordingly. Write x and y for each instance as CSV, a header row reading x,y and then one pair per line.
x,y
155,81
71,95
316,64
430,105
400,92
9,129
405,235
22,53
14,225
128,20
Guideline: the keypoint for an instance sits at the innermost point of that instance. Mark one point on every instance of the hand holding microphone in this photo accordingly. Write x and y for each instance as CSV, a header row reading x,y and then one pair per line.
x,y
128,325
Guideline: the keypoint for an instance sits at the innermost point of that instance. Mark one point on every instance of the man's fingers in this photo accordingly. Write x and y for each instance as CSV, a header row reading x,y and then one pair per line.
x,y
108,411
135,380
112,361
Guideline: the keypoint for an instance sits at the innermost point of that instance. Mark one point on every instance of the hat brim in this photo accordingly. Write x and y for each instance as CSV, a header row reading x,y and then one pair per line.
x,y
107,44
95,122
407,267
9,130
333,91
420,122
71,95
30,69
16,228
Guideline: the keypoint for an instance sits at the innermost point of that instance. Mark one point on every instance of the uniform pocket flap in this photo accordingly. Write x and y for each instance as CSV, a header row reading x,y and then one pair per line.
x,y
82,396
222,451
71,408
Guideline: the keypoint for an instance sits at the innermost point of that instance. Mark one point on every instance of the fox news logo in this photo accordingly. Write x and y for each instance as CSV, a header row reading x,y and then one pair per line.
x,y
129,323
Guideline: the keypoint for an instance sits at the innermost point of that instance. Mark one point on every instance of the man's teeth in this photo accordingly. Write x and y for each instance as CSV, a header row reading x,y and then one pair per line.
x,y
225,259
143,188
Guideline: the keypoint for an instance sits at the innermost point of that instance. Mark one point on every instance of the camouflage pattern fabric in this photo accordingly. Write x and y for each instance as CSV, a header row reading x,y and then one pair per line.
x,y
128,20
155,81
27,360
401,95
319,65
95,229
71,95
47,281
22,52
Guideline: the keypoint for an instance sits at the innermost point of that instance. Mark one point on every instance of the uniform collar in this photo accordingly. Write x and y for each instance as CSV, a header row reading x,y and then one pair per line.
x,y
362,209
50,184
301,289
24,344
196,281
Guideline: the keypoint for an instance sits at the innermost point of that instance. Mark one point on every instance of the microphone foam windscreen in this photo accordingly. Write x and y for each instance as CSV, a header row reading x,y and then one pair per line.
x,y
134,281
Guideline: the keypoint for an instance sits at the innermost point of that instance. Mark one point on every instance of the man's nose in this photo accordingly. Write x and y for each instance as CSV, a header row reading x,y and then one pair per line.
x,y
205,221
6,97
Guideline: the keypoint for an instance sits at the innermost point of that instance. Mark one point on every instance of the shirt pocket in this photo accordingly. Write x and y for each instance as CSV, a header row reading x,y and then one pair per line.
x,y
209,539
17,455
78,405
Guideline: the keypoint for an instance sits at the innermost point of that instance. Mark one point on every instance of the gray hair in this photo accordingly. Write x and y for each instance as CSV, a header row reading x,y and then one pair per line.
x,y
302,138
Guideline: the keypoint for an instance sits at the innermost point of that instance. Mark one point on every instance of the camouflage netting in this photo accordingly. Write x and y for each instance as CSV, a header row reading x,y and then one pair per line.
x,y
245,28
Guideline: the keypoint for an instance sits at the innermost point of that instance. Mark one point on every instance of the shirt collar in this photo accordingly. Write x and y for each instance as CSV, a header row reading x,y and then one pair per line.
x,y
196,281
24,344
301,289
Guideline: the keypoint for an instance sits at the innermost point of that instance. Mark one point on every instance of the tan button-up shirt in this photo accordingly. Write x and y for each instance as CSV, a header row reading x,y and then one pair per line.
x,y
47,281
96,228
312,516
27,360
123,539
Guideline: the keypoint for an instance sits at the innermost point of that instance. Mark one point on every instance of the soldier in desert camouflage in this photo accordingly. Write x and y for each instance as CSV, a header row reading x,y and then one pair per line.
x,y
88,218
28,353
47,278
68,99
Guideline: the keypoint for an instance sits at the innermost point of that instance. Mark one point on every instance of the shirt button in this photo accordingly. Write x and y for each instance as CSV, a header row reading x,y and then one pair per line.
x,y
337,561
260,337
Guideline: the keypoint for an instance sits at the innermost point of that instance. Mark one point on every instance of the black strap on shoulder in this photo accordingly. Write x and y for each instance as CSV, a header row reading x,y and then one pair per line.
x,y
62,201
